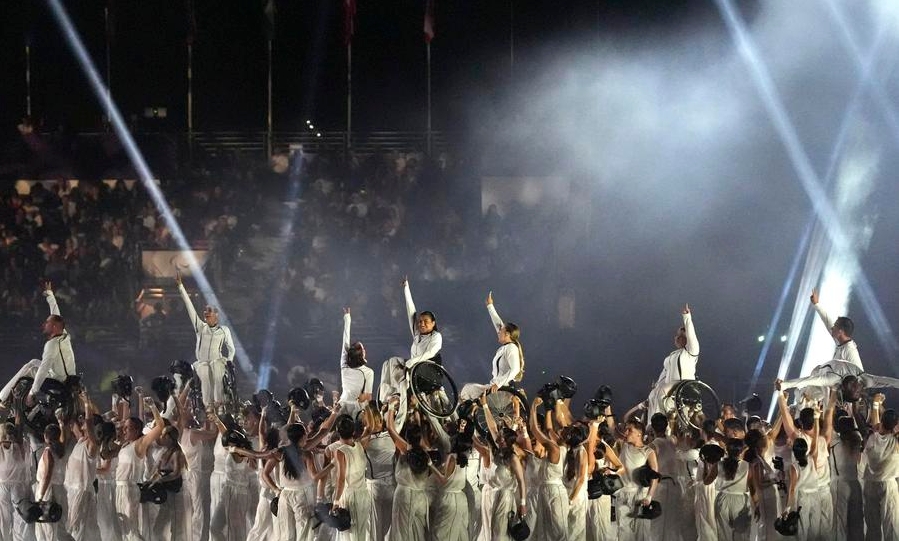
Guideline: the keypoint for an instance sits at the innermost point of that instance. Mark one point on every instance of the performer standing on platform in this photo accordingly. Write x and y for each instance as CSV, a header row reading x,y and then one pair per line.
x,y
214,348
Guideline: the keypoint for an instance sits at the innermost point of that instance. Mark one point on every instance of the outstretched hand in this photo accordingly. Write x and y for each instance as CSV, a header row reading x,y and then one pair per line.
x,y
814,296
178,277
405,282
777,383
686,309
346,310
48,286
489,300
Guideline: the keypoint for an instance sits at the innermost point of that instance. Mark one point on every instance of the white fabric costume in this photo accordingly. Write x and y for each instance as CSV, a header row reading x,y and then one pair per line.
x,y
846,492
393,372
679,365
450,522
627,500
353,381
847,351
881,491
381,484
409,521
133,522
506,363
355,497
732,513
214,348
295,504
809,497
667,527
81,470
830,374
57,360
55,492
15,485
107,521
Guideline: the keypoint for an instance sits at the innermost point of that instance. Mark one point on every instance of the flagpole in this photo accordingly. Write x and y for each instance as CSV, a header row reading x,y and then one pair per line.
x,y
268,136
190,100
349,94
108,67
28,79
428,49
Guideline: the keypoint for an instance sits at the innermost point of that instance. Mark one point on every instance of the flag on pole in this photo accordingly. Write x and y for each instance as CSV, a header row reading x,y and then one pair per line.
x,y
349,20
429,20
270,11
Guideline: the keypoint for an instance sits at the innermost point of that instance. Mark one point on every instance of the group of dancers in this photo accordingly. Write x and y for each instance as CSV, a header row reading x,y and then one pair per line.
x,y
188,462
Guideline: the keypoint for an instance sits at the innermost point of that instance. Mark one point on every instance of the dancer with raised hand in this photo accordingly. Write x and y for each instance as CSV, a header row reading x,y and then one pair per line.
x,y
215,348
379,452
679,365
841,330
57,361
356,378
81,471
409,519
50,485
15,481
426,345
552,497
133,522
350,491
450,520
508,361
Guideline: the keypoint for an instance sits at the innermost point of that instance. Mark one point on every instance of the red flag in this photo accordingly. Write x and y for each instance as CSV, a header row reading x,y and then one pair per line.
x,y
429,20
349,20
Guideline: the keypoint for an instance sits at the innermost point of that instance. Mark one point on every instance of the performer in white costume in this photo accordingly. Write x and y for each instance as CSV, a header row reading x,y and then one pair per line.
x,y
841,330
81,470
426,344
356,378
214,349
57,360
133,523
679,365
49,485
350,491
508,362
15,483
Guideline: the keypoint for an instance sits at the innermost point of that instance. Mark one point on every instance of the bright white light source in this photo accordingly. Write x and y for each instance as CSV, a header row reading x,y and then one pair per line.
x,y
308,122
761,338
311,127
318,134
783,338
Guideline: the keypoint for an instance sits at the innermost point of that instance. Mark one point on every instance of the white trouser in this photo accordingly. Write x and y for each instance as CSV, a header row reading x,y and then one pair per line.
x,y
211,374
107,521
381,507
263,523
295,519
656,403
82,519
12,526
28,369
54,531
472,391
394,382
130,512
197,503
169,524
229,519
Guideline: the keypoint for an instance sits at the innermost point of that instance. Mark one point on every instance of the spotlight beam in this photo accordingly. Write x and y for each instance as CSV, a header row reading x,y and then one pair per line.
x,y
813,231
286,236
143,170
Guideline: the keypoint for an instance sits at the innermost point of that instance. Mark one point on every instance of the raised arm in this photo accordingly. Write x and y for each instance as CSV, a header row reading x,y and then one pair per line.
x,y
51,299
494,316
552,448
345,344
690,332
188,304
822,313
142,444
788,425
401,444
410,306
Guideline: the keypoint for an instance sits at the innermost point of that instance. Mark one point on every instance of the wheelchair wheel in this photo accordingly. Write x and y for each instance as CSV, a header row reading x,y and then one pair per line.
x,y
508,406
434,389
694,402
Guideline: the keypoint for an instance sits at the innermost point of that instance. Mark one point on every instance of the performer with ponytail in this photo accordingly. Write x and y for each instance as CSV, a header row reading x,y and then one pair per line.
x,y
508,362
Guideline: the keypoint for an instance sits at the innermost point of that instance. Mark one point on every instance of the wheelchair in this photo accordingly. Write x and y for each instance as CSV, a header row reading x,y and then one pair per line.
x,y
692,401
433,388
54,395
508,405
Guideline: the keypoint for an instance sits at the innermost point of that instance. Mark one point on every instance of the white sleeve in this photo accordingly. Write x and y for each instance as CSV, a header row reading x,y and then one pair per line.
x,y
51,300
828,379
879,382
345,344
822,313
189,305
853,357
434,346
690,331
509,365
494,317
410,309
229,343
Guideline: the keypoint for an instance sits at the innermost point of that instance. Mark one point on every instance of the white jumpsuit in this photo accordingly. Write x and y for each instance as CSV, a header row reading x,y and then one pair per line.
x,y
551,510
81,470
196,488
809,497
881,491
768,501
15,480
732,514
667,527
846,492
628,499
599,515
577,508
295,505
214,348
381,483
498,503
450,522
229,519
57,493
133,523
355,498
107,520
409,519
353,381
